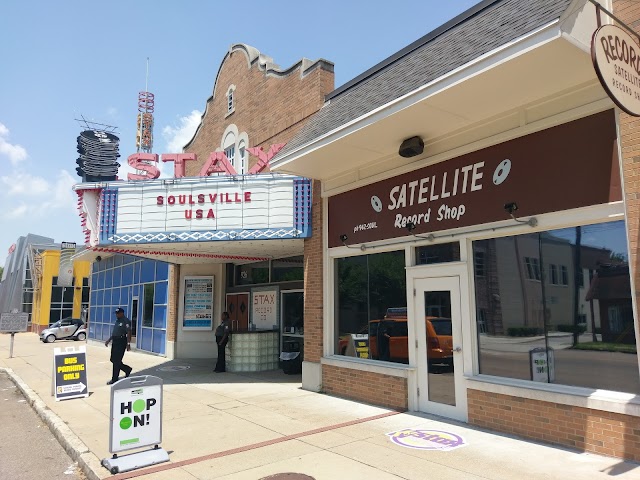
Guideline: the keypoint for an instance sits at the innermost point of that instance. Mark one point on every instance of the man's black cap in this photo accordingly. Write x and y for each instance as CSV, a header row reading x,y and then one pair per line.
x,y
119,310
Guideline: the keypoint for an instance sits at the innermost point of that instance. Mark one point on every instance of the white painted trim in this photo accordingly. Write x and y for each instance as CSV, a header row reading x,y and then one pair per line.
x,y
312,376
328,299
485,62
383,368
632,265
511,134
605,400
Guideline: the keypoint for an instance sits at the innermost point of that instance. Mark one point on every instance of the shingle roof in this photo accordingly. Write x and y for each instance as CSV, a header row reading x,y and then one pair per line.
x,y
481,29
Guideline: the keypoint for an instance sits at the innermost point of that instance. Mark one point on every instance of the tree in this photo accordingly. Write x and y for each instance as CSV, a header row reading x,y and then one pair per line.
x,y
1,270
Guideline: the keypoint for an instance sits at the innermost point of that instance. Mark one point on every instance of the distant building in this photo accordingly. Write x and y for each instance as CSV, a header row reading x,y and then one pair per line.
x,y
30,283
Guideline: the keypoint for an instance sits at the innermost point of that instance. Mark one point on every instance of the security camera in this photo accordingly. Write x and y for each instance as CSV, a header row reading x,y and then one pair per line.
x,y
510,207
343,238
98,258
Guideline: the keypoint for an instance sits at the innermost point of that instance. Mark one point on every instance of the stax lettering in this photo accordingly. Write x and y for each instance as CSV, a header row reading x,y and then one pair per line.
x,y
263,299
218,163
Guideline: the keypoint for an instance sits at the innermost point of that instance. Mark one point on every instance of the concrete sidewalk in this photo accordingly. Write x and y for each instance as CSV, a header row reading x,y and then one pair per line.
x,y
250,426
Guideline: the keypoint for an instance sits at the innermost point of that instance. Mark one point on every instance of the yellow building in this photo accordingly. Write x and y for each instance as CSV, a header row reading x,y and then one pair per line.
x,y
50,301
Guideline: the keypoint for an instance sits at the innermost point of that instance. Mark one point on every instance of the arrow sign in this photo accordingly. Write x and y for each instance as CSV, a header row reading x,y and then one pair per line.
x,y
73,388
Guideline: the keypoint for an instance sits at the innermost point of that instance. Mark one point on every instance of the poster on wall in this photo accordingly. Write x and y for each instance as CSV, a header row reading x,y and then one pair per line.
x,y
264,309
65,275
198,303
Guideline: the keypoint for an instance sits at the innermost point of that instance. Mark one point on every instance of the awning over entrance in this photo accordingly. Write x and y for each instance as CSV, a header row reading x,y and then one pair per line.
x,y
480,77
222,219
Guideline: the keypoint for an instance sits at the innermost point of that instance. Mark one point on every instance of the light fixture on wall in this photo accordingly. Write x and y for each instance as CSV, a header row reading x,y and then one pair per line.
x,y
344,238
511,207
412,226
411,147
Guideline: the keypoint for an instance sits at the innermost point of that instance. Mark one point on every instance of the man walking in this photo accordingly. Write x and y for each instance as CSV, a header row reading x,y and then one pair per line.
x,y
121,338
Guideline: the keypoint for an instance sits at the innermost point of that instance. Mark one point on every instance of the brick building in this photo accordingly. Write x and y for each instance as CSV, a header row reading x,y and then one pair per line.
x,y
224,234
476,228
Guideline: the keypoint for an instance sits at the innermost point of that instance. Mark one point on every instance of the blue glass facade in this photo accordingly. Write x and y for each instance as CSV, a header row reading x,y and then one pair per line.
x,y
131,283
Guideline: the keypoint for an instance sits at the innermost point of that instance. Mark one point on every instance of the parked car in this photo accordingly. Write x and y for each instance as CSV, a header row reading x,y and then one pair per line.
x,y
67,328
439,338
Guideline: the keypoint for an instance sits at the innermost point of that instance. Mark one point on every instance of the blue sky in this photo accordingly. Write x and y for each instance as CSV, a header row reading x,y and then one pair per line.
x,y
60,60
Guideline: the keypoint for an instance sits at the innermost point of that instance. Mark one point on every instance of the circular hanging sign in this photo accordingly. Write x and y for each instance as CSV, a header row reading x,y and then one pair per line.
x,y
616,58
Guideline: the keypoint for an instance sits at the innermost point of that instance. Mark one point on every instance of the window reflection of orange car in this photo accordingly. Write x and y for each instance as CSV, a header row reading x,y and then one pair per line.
x,y
394,323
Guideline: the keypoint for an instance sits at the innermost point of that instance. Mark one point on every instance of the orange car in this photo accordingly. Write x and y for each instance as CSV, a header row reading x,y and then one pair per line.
x,y
394,324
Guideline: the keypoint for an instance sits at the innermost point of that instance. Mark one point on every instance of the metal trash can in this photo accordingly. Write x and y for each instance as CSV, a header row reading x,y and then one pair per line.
x,y
291,356
291,362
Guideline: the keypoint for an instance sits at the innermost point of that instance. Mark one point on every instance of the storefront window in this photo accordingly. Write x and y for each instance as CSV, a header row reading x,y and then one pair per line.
x,y
287,269
442,253
252,273
556,307
370,291
147,312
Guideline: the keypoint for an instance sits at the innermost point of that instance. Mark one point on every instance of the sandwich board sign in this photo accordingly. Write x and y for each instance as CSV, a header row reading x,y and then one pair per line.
x,y
69,378
135,422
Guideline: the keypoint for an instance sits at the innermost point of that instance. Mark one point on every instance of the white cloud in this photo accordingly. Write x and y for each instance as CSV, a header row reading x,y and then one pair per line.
x,y
16,212
16,153
20,183
177,136
38,197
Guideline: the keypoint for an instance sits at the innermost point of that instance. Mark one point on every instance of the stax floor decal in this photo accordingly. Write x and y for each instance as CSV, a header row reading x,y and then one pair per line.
x,y
427,439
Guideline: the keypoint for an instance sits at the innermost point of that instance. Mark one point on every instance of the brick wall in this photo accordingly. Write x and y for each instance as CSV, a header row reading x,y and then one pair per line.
x,y
374,388
270,108
585,429
172,303
313,277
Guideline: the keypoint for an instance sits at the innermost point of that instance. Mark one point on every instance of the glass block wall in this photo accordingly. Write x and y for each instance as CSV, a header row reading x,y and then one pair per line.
x,y
140,287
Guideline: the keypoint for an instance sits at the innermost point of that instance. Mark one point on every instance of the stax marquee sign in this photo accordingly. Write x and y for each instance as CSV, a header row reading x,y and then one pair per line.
x,y
616,59
216,163
203,199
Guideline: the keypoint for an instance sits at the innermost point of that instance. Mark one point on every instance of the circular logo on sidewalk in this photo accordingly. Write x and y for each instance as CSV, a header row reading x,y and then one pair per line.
x,y
427,439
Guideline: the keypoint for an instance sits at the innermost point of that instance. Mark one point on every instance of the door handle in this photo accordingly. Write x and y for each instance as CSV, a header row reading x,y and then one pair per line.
x,y
458,349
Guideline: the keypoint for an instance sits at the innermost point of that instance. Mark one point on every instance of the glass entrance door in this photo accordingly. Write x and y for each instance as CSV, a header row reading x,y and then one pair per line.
x,y
439,332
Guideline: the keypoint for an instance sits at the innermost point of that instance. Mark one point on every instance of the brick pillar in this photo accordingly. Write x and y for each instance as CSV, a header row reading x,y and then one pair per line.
x,y
629,13
313,292
172,302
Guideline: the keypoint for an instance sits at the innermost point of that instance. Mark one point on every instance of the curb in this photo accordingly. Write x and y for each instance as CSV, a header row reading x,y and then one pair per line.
x,y
77,450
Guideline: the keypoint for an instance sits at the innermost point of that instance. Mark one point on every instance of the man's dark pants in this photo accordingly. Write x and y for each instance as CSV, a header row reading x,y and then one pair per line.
x,y
221,363
118,347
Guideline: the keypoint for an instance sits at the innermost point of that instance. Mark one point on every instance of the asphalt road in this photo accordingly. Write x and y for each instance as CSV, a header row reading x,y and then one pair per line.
x,y
598,370
28,449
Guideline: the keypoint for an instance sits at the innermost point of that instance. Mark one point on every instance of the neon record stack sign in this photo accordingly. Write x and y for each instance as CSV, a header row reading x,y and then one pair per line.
x,y
98,160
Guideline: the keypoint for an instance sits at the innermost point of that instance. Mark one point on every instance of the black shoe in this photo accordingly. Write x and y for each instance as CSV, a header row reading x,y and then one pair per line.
x,y
128,372
111,382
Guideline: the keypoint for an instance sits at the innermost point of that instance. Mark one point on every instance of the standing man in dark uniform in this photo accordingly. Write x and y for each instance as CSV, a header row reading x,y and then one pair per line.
x,y
222,337
121,338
